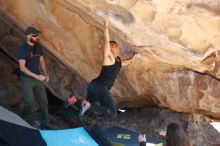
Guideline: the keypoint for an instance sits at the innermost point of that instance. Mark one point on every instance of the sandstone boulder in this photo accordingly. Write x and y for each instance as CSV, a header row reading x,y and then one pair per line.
x,y
177,42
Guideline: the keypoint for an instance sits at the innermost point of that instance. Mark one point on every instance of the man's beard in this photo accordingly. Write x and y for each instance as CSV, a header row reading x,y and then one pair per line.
x,y
34,41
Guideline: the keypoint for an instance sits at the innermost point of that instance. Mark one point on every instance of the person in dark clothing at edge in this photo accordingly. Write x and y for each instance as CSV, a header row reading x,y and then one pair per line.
x,y
31,60
175,136
98,89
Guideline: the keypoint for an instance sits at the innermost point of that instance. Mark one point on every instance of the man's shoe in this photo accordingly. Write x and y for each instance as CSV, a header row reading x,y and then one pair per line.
x,y
48,127
45,127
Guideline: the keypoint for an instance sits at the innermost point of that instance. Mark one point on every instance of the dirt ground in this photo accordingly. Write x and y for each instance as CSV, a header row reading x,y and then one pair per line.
x,y
148,120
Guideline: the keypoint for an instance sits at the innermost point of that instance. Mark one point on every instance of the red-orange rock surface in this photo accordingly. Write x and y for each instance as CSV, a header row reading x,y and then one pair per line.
x,y
175,39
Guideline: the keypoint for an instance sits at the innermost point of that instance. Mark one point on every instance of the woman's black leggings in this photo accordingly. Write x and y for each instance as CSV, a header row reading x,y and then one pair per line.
x,y
96,92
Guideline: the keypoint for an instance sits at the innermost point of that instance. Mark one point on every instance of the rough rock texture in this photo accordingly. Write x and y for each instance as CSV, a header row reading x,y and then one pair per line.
x,y
9,87
177,66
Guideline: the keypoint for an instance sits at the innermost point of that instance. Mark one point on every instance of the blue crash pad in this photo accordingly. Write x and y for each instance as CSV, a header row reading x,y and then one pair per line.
x,y
68,137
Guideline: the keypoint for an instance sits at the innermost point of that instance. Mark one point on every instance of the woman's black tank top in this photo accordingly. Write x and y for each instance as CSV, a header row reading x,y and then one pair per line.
x,y
109,73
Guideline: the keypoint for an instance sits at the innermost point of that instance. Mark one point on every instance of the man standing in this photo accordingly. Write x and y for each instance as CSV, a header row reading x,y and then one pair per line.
x,y
30,58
